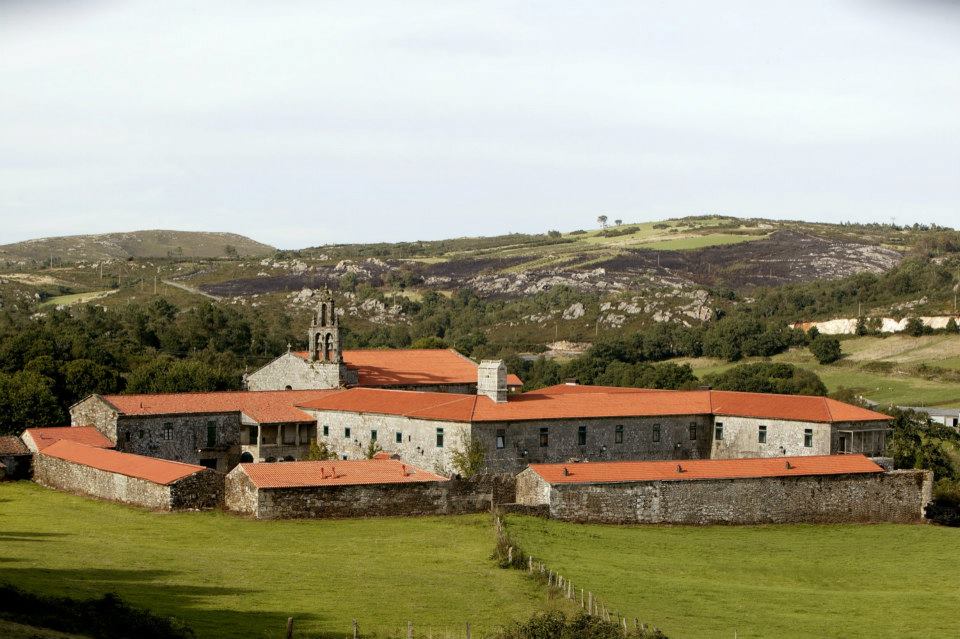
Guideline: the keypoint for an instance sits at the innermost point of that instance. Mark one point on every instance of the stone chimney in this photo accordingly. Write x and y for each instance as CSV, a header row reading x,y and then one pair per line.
x,y
492,379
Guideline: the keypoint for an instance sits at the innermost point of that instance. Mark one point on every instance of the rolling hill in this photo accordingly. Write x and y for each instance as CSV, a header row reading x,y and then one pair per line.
x,y
136,244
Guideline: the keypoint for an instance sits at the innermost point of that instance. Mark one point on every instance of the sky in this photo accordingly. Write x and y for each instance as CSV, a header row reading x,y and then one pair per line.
x,y
300,123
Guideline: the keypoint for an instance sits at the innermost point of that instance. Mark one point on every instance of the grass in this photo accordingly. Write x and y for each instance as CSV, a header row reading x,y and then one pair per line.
x,y
11,630
762,581
897,387
232,577
698,241
77,298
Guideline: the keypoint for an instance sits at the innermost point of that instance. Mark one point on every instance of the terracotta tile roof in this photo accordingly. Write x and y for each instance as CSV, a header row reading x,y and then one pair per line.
x,y
158,471
582,402
13,445
265,407
401,367
335,473
686,470
43,437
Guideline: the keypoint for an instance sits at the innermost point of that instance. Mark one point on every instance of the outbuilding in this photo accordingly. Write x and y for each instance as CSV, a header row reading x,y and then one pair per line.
x,y
812,489
14,457
131,479
355,488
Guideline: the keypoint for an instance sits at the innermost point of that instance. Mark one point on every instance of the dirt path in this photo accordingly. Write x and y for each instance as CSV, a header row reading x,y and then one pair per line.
x,y
190,289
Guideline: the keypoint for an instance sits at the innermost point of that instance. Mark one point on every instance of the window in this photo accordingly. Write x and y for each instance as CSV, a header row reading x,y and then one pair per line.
x,y
305,433
582,436
618,435
326,430
762,435
126,436
346,432
373,435
167,431
439,438
254,432
656,433
399,438
693,431
808,437
289,434
544,437
718,431
501,438
211,435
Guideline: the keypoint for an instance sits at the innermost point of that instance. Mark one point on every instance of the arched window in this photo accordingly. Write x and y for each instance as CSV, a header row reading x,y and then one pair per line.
x,y
246,458
318,346
323,315
328,348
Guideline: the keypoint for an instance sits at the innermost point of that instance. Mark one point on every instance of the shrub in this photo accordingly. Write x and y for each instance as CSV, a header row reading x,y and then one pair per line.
x,y
826,349
766,377
555,625
945,507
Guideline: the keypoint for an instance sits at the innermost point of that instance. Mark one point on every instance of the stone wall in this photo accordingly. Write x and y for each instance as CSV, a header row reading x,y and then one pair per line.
x,y
297,373
639,440
450,497
203,489
784,438
187,442
898,496
97,412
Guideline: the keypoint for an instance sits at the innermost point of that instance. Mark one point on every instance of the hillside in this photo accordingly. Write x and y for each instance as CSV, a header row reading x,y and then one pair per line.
x,y
137,244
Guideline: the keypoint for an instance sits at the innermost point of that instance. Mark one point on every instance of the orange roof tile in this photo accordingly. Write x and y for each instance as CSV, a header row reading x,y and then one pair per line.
x,y
686,470
573,402
265,407
335,473
158,471
43,437
402,367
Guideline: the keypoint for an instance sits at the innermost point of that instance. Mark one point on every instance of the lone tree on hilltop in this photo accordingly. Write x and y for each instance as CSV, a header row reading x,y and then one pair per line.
x,y
618,222
602,221
826,349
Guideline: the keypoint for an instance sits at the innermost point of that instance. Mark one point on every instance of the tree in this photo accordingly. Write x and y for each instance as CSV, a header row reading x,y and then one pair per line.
x,y
768,377
602,221
372,449
915,327
951,326
468,458
318,451
82,377
618,222
826,349
27,400
230,251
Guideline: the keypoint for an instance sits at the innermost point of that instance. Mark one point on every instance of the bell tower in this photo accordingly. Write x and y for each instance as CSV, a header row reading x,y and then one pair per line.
x,y
325,332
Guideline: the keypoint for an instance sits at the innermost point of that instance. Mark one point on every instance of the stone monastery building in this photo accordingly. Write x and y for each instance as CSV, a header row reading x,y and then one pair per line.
x,y
422,405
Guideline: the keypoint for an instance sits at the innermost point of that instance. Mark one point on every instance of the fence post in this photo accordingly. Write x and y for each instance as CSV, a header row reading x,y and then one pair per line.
x,y
530,565
289,627
589,603
624,620
581,597
355,629
468,630
510,555
409,630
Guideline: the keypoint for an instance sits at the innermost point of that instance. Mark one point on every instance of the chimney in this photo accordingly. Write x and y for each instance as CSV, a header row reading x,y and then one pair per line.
x,y
492,380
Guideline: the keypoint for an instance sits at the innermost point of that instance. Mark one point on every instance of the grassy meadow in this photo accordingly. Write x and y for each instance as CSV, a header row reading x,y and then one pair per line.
x,y
232,577
842,581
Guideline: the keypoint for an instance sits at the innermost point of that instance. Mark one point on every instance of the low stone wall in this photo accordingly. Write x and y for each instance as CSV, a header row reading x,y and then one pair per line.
x,y
452,497
898,497
201,490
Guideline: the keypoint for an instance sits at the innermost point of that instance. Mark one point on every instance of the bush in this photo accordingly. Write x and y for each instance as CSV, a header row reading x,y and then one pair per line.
x,y
765,377
826,349
945,507
555,625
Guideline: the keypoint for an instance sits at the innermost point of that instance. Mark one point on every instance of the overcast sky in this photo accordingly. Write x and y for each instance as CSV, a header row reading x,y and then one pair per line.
x,y
303,123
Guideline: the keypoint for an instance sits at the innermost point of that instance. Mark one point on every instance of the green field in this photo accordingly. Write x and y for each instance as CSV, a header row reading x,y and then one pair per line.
x,y
232,577
77,298
899,386
843,581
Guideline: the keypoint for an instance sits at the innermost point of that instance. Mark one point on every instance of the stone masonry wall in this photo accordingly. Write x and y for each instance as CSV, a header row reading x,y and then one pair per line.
x,y
639,440
898,497
145,435
375,500
740,438
295,372
95,411
76,478
200,491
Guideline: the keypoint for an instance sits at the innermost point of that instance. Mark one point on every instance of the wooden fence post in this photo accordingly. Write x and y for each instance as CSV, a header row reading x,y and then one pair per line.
x,y
289,627
510,555
355,633
468,630
530,565
589,603
581,597
409,630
